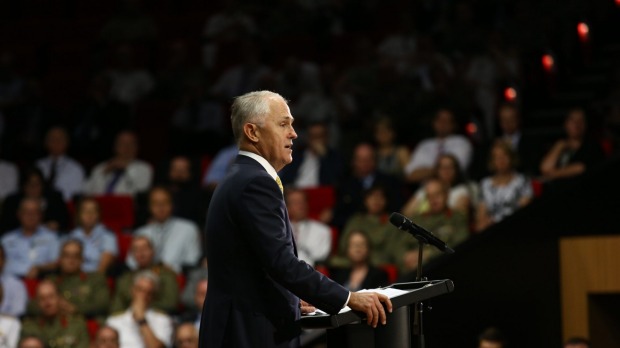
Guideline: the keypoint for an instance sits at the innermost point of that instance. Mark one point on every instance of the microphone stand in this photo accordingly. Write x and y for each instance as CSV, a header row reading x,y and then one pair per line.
x,y
418,327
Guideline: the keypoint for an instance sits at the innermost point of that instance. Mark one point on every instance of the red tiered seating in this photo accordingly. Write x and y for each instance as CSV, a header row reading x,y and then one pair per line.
x,y
124,243
392,272
117,212
92,326
335,239
31,287
319,199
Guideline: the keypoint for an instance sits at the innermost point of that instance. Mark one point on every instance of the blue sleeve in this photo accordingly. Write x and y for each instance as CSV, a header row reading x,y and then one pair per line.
x,y
110,244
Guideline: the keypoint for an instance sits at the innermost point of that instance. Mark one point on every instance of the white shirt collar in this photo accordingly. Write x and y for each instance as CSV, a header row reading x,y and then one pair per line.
x,y
263,162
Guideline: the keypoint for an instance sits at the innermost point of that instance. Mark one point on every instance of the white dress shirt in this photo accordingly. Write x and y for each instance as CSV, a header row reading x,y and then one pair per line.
x,y
15,296
308,173
313,240
10,329
427,152
136,178
69,175
10,178
129,330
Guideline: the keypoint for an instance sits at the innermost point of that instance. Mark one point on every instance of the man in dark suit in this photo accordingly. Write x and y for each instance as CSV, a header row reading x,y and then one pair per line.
x,y
255,278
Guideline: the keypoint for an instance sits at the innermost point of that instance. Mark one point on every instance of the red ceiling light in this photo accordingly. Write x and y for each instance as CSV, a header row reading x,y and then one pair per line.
x,y
618,3
548,62
510,94
583,30
471,128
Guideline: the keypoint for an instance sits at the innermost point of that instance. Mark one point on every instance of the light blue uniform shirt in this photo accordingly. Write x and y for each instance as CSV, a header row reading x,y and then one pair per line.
x,y
24,252
99,241
15,296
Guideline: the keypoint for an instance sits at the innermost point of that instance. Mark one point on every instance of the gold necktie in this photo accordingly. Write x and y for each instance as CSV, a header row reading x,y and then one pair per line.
x,y
279,184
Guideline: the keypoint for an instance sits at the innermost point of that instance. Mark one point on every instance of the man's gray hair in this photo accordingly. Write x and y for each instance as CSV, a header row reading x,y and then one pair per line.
x,y
147,274
251,107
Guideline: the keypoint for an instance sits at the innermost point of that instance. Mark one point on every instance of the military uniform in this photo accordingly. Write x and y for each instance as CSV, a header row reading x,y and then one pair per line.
x,y
62,331
167,298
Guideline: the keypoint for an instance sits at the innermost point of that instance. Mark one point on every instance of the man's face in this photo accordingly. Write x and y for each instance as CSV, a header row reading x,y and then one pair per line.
x,y
375,202
48,299
575,124
317,135
275,136
89,214
508,120
437,197
142,252
31,342
364,161
106,338
126,145
443,123
180,170
186,336
576,345
489,344
30,215
144,288
161,205
56,142
297,205
70,258
201,293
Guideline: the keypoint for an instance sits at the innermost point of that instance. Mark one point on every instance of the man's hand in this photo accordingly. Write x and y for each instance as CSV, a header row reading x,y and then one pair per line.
x,y
370,303
306,308
138,307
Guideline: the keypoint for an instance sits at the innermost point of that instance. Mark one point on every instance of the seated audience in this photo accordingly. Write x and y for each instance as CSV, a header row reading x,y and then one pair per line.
x,y
188,199
144,255
176,241
577,342
123,174
139,325
10,177
186,336
82,293
312,238
193,314
32,248
449,173
61,172
491,338
31,342
106,337
424,157
194,276
391,157
100,244
219,166
571,156
52,325
374,221
364,175
361,274
15,296
10,327
129,82
505,191
315,165
448,225
32,185
511,132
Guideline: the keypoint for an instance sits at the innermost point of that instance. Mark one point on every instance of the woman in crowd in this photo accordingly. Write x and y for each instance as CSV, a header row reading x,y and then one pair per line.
x,y
503,192
391,157
361,274
100,244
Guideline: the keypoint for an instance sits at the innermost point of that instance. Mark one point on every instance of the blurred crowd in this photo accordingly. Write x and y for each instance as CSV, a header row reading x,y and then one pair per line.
x,y
399,105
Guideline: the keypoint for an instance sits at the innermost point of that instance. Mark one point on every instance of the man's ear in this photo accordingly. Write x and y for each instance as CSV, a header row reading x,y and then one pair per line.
x,y
251,131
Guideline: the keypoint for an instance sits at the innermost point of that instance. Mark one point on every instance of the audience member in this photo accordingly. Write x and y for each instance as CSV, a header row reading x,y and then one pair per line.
x,y
31,342
31,248
219,166
317,164
52,325
511,132
364,175
140,325
61,172
375,223
448,225
505,191
167,295
571,156
312,238
128,81
176,241
447,171
391,157
577,342
32,186
123,173
188,199
82,293
14,297
99,243
361,274
193,315
9,183
424,157
186,336
491,338
106,337
194,276
10,326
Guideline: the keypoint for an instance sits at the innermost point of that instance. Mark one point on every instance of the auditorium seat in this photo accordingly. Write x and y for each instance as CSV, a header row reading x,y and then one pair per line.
x,y
537,187
31,287
181,281
111,284
117,212
335,239
323,269
319,199
92,326
391,270
124,243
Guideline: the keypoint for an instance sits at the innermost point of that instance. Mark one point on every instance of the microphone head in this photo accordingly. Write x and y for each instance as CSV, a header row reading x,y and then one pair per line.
x,y
397,219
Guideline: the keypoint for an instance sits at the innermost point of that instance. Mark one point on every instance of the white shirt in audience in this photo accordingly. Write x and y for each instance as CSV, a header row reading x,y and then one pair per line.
x,y
427,152
129,330
313,240
10,179
135,178
69,175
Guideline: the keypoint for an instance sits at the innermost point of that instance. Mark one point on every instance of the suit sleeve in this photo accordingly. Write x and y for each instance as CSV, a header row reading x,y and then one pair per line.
x,y
263,220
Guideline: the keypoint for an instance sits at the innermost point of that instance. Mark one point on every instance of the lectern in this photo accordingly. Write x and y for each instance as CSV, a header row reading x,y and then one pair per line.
x,y
349,329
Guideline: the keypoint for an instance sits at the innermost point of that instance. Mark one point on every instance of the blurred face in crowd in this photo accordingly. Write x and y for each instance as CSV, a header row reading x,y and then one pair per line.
x,y
89,214
186,336
575,124
444,123
375,202
161,205
384,134
317,136
126,145
57,141
33,187
31,342
358,248
106,338
490,344
30,214
576,345
201,293
276,134
48,299
437,196
363,160
142,252
180,170
447,169
71,258
145,288
500,160
509,120
297,205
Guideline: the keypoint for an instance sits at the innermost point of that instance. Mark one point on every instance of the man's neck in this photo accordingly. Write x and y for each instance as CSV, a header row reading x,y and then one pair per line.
x,y
29,231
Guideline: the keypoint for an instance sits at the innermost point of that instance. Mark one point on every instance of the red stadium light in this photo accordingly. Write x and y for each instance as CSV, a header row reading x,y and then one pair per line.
x,y
618,3
471,128
583,30
510,94
548,62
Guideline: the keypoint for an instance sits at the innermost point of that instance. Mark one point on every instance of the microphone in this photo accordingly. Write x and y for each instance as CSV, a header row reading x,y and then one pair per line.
x,y
419,232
